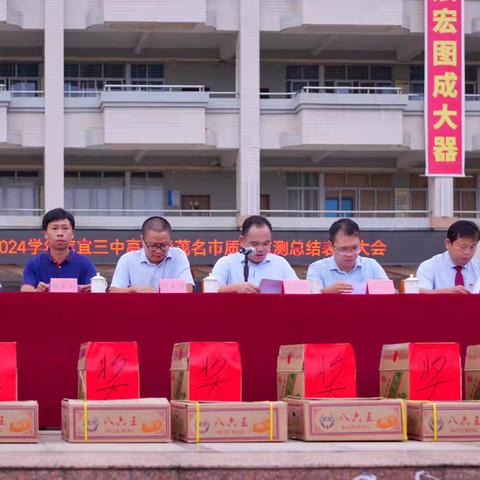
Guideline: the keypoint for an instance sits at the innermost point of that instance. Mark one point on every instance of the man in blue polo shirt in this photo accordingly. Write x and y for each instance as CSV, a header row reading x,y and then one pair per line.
x,y
59,261
236,276
345,268
141,271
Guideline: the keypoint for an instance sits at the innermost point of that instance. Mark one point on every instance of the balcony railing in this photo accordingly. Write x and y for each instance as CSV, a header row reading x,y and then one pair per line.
x,y
346,213
149,89
120,212
364,90
333,89
154,88
466,213
22,211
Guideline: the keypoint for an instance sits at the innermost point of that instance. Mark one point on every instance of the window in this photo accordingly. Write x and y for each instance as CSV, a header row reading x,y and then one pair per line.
x,y
303,191
344,76
147,191
29,70
147,74
19,190
345,193
85,77
21,78
465,196
417,80
299,76
471,85
94,191
110,192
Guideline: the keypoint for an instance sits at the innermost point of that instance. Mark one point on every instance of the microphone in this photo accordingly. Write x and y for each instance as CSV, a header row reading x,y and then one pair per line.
x,y
248,251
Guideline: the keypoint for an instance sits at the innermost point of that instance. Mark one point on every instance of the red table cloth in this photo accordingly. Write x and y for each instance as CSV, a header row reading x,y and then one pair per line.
x,y
49,329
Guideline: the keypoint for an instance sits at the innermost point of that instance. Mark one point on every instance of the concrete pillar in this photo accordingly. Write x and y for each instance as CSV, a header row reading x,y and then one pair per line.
x,y
54,104
248,87
440,196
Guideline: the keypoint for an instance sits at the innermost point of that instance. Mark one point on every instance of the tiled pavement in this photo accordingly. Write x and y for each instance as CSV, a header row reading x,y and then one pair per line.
x,y
54,459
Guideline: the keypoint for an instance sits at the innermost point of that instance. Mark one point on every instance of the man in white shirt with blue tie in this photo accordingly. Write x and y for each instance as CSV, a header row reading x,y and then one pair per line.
x,y
256,236
455,270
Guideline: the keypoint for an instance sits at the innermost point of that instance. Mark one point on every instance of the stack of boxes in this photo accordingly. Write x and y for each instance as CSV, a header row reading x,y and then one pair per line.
x,y
206,392
429,375
318,382
18,420
109,407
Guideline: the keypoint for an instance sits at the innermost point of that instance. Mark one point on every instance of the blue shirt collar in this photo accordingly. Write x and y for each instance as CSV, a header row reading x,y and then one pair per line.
x,y
144,259
449,262
332,264
268,259
71,253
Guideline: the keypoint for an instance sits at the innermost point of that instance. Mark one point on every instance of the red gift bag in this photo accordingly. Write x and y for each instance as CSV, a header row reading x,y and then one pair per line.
x,y
421,371
108,371
206,371
8,371
317,371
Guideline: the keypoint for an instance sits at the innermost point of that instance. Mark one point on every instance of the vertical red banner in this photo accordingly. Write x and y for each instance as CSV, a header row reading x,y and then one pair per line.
x,y
444,88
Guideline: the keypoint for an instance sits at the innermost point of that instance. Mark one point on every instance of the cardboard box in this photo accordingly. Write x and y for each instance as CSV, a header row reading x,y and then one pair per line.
x,y
8,372
138,420
444,421
316,371
472,373
355,419
108,371
19,422
229,421
206,371
421,371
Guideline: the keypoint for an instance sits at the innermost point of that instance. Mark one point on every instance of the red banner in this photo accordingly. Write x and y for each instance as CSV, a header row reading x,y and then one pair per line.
x,y
444,88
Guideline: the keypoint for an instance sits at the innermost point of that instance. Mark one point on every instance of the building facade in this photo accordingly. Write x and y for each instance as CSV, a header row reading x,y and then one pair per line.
x,y
210,110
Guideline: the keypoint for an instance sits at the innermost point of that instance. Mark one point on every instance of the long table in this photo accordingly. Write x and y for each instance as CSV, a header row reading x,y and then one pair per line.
x,y
49,329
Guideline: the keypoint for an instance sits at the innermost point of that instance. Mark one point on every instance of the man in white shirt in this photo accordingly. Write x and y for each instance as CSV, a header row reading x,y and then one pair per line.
x,y
455,270
231,270
345,268
141,271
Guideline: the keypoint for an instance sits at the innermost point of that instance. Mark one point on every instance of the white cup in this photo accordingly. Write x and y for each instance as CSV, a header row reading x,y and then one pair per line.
x,y
98,284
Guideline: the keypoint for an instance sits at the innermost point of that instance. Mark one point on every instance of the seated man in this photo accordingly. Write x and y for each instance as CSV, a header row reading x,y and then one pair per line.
x,y
231,270
142,270
59,261
455,270
338,273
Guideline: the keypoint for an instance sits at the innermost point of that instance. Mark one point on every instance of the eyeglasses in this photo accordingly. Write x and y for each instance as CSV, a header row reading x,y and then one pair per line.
x,y
347,250
157,246
467,248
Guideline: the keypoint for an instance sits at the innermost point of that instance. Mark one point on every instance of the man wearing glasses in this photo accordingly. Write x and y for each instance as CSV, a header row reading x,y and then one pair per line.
x,y
142,270
345,268
243,272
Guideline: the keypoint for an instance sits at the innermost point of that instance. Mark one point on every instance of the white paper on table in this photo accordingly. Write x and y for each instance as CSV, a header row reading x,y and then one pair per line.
x,y
270,286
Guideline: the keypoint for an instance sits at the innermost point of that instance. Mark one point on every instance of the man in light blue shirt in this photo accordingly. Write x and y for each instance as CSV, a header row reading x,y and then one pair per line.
x,y
345,268
142,270
231,270
456,270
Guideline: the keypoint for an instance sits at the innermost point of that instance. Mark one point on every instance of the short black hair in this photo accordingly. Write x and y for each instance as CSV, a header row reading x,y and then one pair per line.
x,y
463,228
157,224
256,220
57,214
346,225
